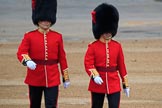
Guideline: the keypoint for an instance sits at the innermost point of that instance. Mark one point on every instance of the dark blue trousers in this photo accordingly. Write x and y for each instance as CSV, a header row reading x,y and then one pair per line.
x,y
50,96
98,100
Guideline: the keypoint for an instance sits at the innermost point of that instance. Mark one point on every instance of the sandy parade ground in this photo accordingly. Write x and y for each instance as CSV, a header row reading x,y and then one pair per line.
x,y
143,60
139,36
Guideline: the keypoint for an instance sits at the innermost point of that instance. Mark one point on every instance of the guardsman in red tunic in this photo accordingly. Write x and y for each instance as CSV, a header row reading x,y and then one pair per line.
x,y
104,59
42,51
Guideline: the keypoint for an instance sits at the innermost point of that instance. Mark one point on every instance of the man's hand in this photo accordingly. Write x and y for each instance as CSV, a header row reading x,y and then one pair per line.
x,y
98,80
66,84
126,91
31,65
126,88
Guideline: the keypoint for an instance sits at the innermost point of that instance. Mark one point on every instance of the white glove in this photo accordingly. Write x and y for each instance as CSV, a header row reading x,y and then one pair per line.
x,y
126,91
98,80
66,84
31,65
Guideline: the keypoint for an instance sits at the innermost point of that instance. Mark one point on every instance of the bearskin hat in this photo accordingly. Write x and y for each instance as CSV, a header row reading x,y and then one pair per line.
x,y
105,18
44,10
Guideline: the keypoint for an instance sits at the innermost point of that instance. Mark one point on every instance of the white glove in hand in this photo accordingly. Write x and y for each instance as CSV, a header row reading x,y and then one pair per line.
x,y
126,91
31,65
66,84
98,80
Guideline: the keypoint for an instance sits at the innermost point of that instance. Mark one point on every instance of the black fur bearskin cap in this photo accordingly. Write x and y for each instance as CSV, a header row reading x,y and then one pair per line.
x,y
44,10
105,18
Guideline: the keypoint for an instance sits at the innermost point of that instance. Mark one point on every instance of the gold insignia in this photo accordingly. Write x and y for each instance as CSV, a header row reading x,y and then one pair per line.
x,y
94,72
66,75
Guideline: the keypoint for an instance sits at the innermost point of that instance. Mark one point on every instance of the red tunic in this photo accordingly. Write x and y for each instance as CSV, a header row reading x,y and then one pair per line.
x,y
101,55
43,47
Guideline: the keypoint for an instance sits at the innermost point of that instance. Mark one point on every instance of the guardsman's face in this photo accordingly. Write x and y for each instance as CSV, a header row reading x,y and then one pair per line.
x,y
45,25
107,36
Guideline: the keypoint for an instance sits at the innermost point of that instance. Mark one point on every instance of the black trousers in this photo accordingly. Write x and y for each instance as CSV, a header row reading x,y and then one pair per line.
x,y
50,95
98,100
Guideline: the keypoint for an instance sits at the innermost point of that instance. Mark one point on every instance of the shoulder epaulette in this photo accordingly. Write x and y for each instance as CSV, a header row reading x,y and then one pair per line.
x,y
92,42
55,32
30,31
115,41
